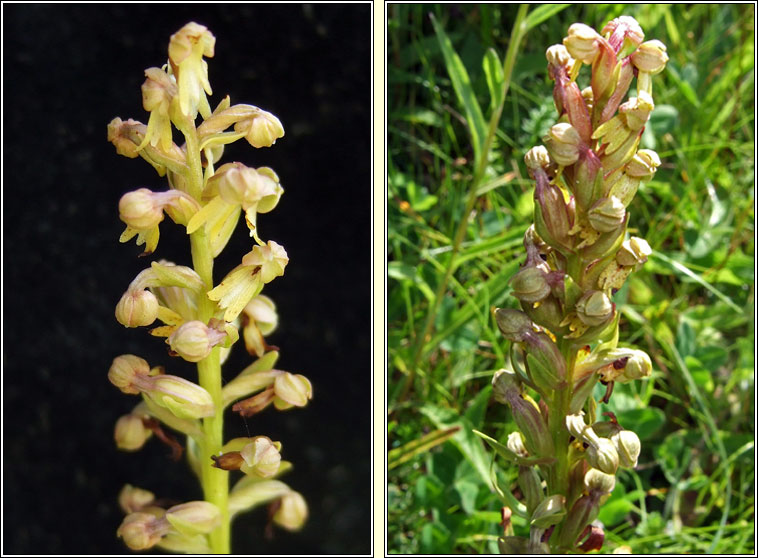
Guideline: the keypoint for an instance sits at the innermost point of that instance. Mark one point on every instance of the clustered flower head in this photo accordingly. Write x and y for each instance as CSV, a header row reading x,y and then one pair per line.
x,y
199,321
565,336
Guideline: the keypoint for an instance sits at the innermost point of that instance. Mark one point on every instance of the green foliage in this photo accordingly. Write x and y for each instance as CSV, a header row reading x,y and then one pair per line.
x,y
690,307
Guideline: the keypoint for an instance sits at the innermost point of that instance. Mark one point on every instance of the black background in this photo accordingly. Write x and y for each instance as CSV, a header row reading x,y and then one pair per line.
x,y
68,70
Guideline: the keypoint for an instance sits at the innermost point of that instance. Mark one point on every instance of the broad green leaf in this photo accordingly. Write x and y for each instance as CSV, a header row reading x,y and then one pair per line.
x,y
463,90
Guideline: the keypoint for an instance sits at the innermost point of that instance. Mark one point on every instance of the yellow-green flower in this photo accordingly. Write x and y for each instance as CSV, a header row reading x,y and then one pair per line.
x,y
158,92
185,52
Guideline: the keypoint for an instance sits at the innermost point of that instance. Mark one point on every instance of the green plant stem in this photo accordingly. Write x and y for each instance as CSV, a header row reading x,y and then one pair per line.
x,y
558,479
519,30
215,481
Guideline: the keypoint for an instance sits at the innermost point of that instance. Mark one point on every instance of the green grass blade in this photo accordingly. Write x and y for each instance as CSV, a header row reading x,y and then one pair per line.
x,y
676,266
463,89
408,451
493,71
542,13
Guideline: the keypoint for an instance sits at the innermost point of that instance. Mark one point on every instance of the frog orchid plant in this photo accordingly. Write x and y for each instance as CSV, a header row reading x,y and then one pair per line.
x,y
564,340
201,320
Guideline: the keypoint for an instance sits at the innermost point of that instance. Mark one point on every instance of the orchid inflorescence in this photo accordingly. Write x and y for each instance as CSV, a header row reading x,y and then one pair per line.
x,y
565,337
200,321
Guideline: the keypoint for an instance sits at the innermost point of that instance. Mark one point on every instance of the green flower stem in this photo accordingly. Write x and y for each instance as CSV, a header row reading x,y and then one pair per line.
x,y
215,481
559,408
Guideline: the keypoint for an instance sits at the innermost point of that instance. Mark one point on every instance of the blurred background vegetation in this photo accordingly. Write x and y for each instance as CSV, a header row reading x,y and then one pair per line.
x,y
690,307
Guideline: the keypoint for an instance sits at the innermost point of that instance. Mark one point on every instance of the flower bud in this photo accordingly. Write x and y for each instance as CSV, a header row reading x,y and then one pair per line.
x,y
188,39
193,341
137,308
550,511
552,215
537,157
537,439
292,390
513,324
581,42
637,367
292,512
544,361
563,143
140,209
624,35
130,432
272,259
125,371
241,185
606,214
594,308
119,137
158,90
505,385
515,442
141,531
261,457
261,130
628,447
599,482
633,252
602,455
185,52
530,284
547,314
643,165
650,57
604,244
194,518
637,110
259,319
182,397
133,499
558,55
